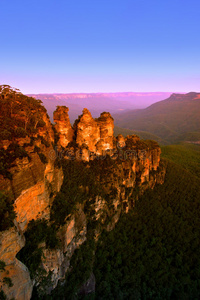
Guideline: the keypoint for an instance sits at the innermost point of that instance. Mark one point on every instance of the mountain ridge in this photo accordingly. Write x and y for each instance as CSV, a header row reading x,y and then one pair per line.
x,y
98,102
168,119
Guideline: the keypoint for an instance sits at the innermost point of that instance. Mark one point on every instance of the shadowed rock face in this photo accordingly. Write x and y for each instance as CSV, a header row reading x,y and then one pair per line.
x,y
11,242
63,126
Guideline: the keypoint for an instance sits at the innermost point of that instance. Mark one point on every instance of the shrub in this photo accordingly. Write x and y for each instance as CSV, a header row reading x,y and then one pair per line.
x,y
8,281
43,158
2,265
37,232
20,132
43,141
5,135
4,164
31,130
41,123
151,144
2,295
7,158
7,213
17,151
36,149
57,163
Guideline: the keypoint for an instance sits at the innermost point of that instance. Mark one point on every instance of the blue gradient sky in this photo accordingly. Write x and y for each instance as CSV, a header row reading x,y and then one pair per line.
x,y
100,45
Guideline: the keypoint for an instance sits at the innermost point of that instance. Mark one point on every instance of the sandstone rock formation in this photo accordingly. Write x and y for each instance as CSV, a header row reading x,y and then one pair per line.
x,y
106,124
33,182
63,126
87,131
120,141
11,242
94,135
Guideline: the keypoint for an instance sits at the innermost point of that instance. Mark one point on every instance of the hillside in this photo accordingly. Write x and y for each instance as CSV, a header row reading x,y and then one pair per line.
x,y
142,134
189,137
168,119
186,155
153,253
98,102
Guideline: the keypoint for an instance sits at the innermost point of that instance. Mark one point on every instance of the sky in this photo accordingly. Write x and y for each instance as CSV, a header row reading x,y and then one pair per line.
x,y
73,46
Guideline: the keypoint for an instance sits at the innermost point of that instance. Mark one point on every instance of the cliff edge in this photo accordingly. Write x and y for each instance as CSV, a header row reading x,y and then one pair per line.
x,y
61,185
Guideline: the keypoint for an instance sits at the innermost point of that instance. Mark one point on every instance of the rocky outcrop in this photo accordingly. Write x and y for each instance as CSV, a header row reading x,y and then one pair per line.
x,y
33,182
87,131
106,124
46,131
56,262
33,193
63,126
92,136
124,164
120,141
32,204
21,284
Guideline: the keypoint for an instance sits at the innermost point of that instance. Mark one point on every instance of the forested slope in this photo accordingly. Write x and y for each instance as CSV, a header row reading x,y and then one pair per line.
x,y
186,155
172,120
154,253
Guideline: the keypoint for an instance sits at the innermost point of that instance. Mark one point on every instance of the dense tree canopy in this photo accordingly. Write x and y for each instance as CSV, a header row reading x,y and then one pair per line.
x,y
154,253
19,114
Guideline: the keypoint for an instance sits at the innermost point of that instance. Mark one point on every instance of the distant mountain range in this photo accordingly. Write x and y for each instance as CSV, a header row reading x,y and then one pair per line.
x,y
173,120
98,102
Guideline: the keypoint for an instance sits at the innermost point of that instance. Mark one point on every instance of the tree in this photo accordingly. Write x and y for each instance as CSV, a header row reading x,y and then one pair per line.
x,y
9,95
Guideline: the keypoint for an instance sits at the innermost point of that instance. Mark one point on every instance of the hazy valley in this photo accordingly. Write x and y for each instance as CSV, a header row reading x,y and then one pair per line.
x,y
99,102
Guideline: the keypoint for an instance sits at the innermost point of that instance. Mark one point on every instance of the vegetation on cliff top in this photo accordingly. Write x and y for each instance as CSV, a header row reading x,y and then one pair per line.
x,y
19,114
20,117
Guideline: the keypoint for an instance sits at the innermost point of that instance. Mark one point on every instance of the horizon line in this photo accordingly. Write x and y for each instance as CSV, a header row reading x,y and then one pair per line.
x,y
78,93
